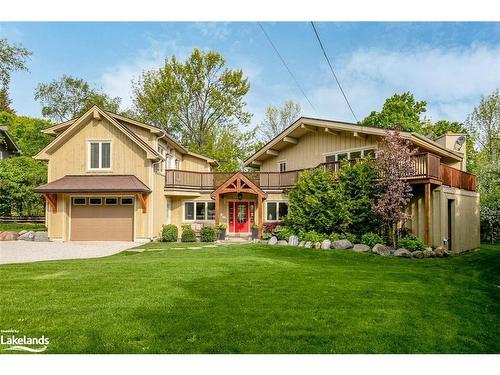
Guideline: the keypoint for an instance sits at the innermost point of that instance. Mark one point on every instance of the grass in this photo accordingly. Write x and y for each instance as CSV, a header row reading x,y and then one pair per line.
x,y
17,227
253,298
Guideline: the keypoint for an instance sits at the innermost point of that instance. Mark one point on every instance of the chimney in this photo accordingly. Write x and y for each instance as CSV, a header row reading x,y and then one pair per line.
x,y
455,142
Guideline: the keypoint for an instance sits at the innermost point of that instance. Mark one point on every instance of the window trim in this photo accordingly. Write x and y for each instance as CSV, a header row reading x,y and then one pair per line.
x,y
280,162
77,204
95,204
348,152
89,155
194,212
278,218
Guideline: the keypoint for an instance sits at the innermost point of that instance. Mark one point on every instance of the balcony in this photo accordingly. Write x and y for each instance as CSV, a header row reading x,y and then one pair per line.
x,y
427,168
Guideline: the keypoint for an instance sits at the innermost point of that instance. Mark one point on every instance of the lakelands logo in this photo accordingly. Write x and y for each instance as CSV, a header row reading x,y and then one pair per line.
x,y
23,343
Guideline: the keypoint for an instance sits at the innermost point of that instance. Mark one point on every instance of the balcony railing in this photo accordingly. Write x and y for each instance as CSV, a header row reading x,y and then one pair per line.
x,y
426,166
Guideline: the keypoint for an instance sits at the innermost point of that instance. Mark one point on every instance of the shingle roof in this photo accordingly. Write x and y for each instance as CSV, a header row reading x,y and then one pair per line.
x,y
92,183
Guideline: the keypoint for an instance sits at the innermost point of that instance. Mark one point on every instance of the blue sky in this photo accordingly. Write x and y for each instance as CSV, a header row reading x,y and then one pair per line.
x,y
450,65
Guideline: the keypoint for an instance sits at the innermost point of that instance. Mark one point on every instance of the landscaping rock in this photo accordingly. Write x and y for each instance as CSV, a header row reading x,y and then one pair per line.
x,y
293,241
273,240
341,244
308,244
27,236
402,253
301,244
325,245
381,250
41,237
441,252
360,248
428,253
282,243
317,245
22,232
8,236
417,254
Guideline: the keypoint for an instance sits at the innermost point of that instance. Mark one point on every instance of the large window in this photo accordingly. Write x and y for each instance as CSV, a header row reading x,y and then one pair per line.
x,y
349,155
99,155
282,166
276,211
199,211
160,167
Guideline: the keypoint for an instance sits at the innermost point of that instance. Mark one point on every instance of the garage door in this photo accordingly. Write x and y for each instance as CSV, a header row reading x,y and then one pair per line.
x,y
102,219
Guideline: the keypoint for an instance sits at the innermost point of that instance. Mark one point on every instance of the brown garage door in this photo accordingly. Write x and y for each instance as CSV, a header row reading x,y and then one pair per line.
x,y
101,222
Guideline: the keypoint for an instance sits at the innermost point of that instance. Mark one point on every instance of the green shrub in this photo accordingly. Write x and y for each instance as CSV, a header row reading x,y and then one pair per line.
x,y
266,236
208,234
371,239
169,233
188,234
312,236
282,233
351,237
412,243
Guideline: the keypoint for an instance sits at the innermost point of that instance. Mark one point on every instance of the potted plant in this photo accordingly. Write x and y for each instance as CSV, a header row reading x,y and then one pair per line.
x,y
255,232
222,231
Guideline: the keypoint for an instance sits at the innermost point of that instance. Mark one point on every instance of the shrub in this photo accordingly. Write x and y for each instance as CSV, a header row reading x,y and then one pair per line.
x,y
269,227
312,236
412,243
351,237
208,234
188,234
169,233
371,239
334,237
266,236
282,233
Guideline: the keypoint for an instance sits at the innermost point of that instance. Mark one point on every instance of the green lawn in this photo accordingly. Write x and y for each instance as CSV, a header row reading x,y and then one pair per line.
x,y
257,299
17,227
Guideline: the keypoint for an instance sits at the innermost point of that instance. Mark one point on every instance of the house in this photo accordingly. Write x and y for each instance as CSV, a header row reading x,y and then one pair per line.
x,y
7,145
114,178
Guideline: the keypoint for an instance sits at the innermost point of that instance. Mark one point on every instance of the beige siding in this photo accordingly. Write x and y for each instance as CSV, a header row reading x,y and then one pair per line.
x,y
311,149
158,204
192,163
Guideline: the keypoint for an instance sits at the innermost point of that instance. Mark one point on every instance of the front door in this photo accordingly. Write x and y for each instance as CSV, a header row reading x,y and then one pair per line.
x,y
239,217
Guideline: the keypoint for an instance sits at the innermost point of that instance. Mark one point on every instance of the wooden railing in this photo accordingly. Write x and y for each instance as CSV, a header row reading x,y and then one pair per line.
x,y
426,166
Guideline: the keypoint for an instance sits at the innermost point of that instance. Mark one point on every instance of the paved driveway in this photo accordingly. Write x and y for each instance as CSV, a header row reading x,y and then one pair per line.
x,y
28,251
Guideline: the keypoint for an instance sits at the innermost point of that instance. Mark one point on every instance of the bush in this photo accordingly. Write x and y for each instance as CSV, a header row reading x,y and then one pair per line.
x,y
188,234
266,236
351,237
269,227
208,234
169,233
312,236
371,239
282,233
412,243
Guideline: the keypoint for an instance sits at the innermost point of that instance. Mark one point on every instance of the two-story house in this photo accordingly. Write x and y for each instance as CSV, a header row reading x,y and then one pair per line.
x,y
113,178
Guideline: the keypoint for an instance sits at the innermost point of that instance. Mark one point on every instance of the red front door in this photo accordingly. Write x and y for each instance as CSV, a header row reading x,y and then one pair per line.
x,y
239,217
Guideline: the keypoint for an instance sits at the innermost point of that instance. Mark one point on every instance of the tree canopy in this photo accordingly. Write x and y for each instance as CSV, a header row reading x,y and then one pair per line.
x,y
278,119
69,97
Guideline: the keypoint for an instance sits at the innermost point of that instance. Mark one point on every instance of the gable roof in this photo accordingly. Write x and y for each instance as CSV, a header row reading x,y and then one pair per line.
x,y
96,112
304,125
239,183
11,145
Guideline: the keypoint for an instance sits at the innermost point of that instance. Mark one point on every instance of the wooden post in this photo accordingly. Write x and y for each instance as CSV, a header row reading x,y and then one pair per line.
x,y
427,209
260,211
217,209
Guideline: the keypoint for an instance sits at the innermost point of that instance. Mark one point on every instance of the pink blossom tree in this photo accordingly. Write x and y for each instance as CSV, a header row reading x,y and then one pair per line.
x,y
394,161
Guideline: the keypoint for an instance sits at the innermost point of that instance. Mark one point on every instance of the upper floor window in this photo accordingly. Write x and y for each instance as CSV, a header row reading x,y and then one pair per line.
x,y
350,155
282,166
160,167
99,155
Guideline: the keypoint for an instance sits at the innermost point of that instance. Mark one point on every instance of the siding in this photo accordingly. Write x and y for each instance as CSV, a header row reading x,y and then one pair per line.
x,y
191,163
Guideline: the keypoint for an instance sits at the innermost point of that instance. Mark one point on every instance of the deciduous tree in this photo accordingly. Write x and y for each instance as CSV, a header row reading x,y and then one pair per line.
x,y
278,119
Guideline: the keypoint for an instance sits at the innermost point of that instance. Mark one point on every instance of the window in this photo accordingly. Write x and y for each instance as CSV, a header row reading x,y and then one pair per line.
x,y
99,155
127,201
282,166
199,210
79,201
341,157
369,154
355,155
95,201
276,211
330,158
110,201
160,167
350,155
177,163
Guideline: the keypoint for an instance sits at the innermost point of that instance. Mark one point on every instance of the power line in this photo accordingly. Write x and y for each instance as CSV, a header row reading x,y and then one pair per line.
x,y
286,66
333,72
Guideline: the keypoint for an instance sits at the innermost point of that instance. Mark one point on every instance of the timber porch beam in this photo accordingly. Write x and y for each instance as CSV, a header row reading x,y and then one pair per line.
x,y
143,199
291,140
272,152
51,200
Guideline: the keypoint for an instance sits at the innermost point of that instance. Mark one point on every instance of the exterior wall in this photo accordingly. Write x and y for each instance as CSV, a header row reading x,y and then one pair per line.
x,y
191,163
311,149
158,205
177,211
465,217
448,141
72,156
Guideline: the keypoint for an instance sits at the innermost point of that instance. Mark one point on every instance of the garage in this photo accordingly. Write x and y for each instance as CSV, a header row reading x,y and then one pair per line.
x,y
102,218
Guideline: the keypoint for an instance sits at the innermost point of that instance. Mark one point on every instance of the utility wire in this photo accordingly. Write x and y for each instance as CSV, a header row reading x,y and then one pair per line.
x,y
333,72
286,66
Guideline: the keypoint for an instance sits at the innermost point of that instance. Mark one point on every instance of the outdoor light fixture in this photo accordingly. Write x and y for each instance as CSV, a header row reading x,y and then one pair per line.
x,y
240,196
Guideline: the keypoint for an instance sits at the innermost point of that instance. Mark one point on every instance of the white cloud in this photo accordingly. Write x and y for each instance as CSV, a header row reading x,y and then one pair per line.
x,y
450,80
217,30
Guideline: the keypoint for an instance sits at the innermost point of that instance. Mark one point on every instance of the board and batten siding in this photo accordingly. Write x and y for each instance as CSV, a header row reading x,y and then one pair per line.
x,y
191,163
311,149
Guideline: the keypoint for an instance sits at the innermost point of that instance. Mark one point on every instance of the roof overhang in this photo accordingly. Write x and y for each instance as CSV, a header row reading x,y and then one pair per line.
x,y
11,145
304,125
94,184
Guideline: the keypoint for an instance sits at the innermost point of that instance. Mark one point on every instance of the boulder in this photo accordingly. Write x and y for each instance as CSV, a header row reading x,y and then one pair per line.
x,y
302,243
402,253
22,232
325,245
293,241
41,237
378,247
273,240
341,244
317,245
360,248
417,254
428,253
282,243
8,236
441,252
308,244
383,250
27,236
